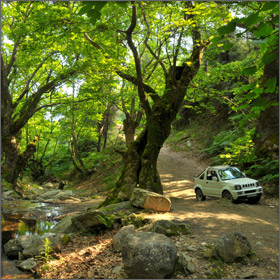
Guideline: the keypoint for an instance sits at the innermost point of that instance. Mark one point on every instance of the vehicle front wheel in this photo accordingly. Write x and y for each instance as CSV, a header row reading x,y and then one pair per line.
x,y
227,195
199,195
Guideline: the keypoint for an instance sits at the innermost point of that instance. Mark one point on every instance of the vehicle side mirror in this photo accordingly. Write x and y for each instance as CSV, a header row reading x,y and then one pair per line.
x,y
215,179
244,174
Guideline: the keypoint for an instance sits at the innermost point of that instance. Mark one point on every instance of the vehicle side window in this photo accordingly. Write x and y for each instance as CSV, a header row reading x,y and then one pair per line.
x,y
211,174
201,177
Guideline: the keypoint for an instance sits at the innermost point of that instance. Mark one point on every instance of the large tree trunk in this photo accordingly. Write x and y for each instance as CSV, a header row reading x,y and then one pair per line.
x,y
140,166
15,162
140,159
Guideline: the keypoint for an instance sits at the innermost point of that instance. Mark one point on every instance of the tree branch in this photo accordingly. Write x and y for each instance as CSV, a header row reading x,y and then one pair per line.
x,y
149,48
29,107
13,58
26,90
141,92
123,75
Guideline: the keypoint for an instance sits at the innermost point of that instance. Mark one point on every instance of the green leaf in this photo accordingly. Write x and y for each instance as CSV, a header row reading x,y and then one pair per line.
x,y
269,5
249,71
214,41
243,106
249,95
269,57
251,19
271,85
228,46
86,7
230,27
122,4
264,30
259,103
258,91
275,20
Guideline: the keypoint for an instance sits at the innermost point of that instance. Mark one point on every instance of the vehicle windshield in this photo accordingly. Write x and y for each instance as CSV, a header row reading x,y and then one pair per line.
x,y
230,173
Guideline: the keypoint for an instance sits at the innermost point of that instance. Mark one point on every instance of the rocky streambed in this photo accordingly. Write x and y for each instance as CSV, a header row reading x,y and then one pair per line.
x,y
37,217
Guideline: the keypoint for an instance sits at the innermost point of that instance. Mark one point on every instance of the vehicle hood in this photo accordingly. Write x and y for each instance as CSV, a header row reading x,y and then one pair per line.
x,y
241,181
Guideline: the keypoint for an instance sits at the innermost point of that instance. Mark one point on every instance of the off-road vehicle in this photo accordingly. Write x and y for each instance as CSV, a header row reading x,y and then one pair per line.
x,y
227,182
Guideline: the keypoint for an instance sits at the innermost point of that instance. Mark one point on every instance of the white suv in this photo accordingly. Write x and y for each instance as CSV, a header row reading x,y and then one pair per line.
x,y
227,182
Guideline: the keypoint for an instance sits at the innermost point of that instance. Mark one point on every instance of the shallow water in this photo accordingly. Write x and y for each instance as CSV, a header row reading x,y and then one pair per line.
x,y
23,218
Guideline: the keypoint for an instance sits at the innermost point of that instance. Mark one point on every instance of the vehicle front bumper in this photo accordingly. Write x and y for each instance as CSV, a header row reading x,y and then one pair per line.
x,y
247,193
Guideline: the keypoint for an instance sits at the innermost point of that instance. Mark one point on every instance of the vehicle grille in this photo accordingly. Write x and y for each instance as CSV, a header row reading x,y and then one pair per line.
x,y
248,185
250,191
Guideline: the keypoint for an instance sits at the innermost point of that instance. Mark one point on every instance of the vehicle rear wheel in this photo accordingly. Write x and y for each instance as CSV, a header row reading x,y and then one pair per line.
x,y
199,195
227,195
254,200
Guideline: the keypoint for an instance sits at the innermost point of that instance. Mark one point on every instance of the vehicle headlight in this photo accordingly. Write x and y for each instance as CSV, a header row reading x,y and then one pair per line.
x,y
237,187
258,184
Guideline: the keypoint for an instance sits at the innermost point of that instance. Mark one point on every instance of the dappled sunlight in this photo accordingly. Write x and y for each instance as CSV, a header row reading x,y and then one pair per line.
x,y
177,188
195,213
85,257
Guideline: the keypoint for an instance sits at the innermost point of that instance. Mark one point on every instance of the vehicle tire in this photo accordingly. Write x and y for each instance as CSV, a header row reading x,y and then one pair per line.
x,y
227,195
254,200
199,195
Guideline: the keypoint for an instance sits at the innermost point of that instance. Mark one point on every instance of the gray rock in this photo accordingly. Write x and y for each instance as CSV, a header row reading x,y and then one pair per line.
x,y
190,267
10,194
119,239
117,269
28,264
185,263
148,255
65,226
117,207
247,275
13,247
57,195
231,247
168,227
64,195
50,194
30,246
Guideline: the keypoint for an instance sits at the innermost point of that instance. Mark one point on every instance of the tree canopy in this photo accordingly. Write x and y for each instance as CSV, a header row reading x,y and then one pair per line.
x,y
70,69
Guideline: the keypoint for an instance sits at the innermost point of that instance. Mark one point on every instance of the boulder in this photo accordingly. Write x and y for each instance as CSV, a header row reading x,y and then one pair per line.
x,y
168,227
150,200
91,220
50,194
117,208
57,195
10,195
29,264
120,237
64,195
148,255
231,247
12,248
30,246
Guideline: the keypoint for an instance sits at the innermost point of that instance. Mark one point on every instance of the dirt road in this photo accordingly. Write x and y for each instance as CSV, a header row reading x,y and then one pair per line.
x,y
214,217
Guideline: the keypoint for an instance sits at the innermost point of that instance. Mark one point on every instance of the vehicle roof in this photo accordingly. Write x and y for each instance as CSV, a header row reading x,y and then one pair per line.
x,y
219,167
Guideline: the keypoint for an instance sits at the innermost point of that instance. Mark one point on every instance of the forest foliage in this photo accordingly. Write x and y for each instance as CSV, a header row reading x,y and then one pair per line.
x,y
70,82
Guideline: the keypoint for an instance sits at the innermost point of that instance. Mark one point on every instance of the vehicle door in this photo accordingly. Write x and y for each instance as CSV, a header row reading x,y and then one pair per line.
x,y
212,183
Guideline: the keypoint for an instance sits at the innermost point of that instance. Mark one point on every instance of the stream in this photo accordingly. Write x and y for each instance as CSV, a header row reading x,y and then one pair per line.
x,y
26,217
23,217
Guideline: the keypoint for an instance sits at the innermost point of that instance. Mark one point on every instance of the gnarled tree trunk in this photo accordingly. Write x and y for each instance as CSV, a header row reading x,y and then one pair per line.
x,y
140,164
